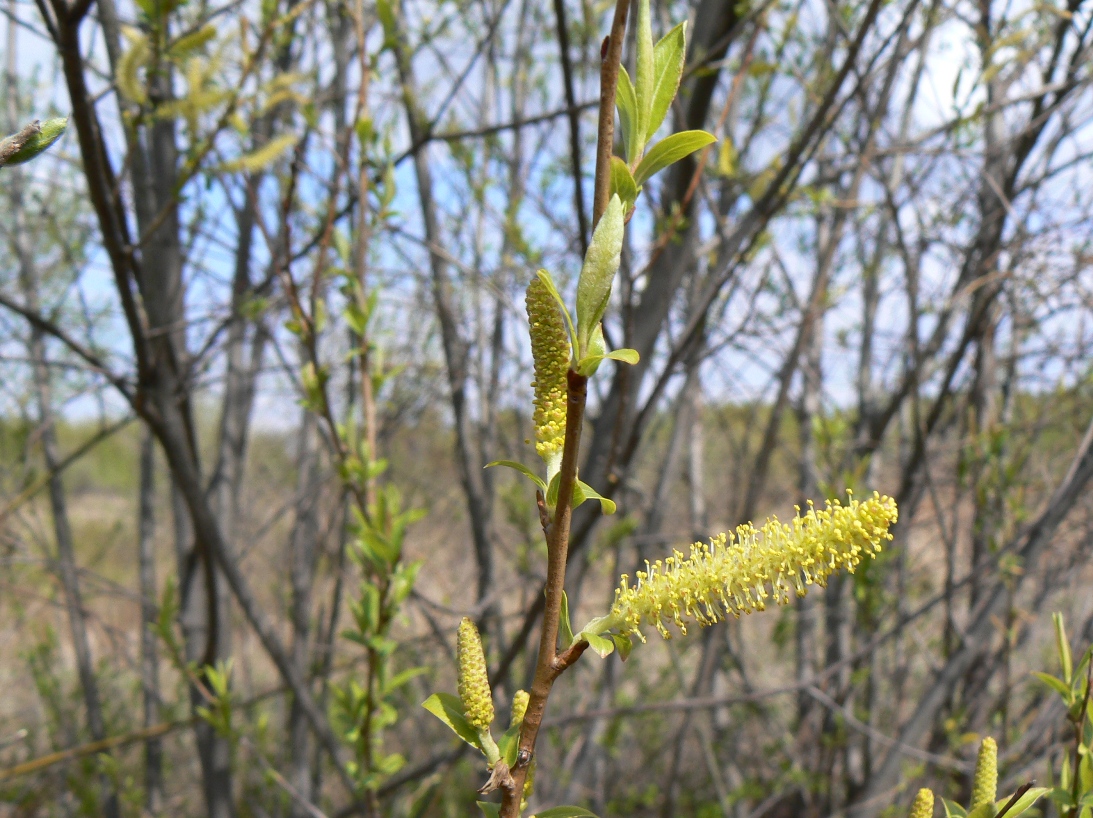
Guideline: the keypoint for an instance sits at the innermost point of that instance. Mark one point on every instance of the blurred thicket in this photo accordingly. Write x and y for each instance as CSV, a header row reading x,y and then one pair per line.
x,y
274,273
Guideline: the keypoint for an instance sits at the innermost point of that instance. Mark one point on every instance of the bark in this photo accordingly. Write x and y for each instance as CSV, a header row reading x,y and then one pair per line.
x,y
149,654
303,552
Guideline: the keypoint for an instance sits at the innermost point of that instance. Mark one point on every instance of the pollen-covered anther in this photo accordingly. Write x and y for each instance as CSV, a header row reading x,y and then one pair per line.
x,y
474,684
737,573
550,353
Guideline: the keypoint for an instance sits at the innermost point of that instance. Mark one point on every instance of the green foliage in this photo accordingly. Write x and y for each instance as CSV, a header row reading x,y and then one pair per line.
x,y
1073,791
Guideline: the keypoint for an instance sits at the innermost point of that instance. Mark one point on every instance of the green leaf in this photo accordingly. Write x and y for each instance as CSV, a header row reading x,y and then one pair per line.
x,y
524,470
601,644
489,810
565,812
1054,683
982,811
953,809
601,262
565,626
449,710
582,491
643,73
670,150
1063,646
623,184
1030,797
552,490
509,745
387,19
627,103
668,58
624,644
548,282
588,365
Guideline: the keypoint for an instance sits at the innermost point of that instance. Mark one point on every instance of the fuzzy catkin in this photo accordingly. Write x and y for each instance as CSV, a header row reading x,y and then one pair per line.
x,y
550,353
737,573
985,782
474,685
923,805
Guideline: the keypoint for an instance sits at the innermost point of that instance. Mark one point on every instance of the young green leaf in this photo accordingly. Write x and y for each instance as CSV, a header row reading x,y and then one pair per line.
x,y
668,58
627,103
1022,804
449,710
1063,645
644,79
953,809
623,184
582,491
624,644
565,812
588,365
601,644
509,744
670,150
601,262
40,139
1054,684
489,810
524,470
565,627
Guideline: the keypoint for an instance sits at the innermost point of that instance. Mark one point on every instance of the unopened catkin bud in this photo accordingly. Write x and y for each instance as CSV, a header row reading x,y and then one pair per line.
x,y
985,783
923,805
520,701
474,685
550,353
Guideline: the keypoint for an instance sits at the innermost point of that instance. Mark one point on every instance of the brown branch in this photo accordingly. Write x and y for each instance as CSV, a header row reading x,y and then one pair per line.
x,y
609,81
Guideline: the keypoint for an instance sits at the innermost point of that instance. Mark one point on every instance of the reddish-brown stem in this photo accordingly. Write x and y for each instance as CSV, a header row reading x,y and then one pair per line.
x,y
609,82
548,666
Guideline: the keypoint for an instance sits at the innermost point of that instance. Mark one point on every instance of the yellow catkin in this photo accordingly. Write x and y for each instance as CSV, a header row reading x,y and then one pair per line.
x,y
550,353
923,806
985,783
474,685
738,573
520,701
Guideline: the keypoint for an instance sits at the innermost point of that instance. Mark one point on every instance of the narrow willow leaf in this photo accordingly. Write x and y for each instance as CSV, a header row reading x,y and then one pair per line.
x,y
1063,645
668,58
601,262
449,710
489,810
669,150
524,470
565,812
565,627
627,102
623,184
1053,683
643,74
1025,802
